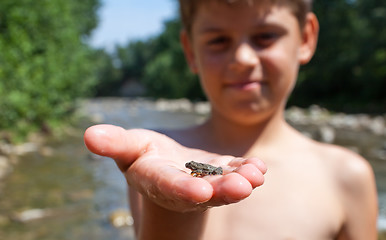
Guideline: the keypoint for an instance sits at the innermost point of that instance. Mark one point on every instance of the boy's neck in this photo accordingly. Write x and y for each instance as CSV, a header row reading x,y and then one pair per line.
x,y
227,134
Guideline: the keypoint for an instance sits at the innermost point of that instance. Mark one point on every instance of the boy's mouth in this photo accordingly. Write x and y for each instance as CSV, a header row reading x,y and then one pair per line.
x,y
245,85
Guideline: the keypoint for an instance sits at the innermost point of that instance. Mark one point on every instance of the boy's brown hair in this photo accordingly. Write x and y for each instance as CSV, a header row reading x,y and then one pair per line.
x,y
299,8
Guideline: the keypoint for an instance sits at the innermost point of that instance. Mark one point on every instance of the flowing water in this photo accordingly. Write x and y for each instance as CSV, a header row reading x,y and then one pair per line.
x,y
72,194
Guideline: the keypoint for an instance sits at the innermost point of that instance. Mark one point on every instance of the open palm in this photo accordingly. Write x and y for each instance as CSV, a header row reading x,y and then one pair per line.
x,y
154,165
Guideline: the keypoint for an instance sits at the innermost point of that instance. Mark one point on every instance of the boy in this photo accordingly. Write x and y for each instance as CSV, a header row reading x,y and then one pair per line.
x,y
247,55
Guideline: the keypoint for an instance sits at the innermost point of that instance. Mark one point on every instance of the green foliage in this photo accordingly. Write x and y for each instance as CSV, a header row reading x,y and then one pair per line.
x,y
158,64
134,58
168,75
44,64
348,71
109,75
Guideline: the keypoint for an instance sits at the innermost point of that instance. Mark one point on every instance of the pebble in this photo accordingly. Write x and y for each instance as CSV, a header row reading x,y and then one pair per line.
x,y
378,126
20,149
121,218
46,151
202,108
31,215
174,105
327,134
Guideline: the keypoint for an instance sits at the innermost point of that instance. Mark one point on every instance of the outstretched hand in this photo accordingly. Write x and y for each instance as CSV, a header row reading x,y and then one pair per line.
x,y
154,165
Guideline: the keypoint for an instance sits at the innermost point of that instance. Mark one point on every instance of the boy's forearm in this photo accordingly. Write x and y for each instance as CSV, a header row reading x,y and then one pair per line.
x,y
159,223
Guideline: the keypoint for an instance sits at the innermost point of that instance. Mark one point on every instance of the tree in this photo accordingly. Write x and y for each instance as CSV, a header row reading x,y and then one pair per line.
x,y
159,64
109,75
168,75
347,72
45,63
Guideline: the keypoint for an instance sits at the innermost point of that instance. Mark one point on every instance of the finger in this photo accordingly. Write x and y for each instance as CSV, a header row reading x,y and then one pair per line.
x,y
230,188
252,174
196,190
237,162
258,163
115,142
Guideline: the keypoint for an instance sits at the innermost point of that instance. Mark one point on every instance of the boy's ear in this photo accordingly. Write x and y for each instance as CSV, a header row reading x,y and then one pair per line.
x,y
188,51
310,35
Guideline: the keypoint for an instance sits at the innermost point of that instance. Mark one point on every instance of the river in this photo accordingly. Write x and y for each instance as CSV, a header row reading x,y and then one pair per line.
x,y
64,192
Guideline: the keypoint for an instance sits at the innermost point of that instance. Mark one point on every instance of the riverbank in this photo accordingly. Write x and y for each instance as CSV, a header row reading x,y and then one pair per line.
x,y
313,115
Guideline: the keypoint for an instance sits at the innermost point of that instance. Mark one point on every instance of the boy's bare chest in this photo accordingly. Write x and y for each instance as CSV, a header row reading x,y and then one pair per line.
x,y
292,207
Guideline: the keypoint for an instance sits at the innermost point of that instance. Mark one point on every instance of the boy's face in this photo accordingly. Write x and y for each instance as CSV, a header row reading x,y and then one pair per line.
x,y
247,58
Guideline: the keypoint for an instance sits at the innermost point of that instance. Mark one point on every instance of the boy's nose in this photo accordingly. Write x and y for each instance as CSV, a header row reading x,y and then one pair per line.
x,y
244,57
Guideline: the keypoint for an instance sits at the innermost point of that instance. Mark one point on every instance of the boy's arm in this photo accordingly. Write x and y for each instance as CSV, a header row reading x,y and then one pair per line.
x,y
360,200
153,165
154,222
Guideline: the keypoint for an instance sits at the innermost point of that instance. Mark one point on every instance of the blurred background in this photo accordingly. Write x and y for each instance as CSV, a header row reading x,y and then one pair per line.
x,y
65,65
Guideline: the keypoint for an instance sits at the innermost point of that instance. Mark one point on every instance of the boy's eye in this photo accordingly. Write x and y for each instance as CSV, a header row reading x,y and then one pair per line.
x,y
218,40
218,43
265,39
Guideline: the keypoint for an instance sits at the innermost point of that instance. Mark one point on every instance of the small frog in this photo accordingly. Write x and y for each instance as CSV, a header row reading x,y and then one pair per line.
x,y
203,169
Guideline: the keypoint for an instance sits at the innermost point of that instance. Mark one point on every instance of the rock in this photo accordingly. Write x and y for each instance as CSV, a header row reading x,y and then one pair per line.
x,y
381,152
46,151
327,134
364,121
382,224
19,150
25,148
173,105
31,215
202,108
121,218
337,120
96,117
296,115
318,115
378,126
5,148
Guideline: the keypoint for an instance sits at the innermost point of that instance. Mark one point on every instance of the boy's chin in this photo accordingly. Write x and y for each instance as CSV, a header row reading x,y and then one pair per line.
x,y
249,113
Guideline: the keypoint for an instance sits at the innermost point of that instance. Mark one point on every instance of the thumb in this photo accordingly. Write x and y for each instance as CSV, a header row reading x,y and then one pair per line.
x,y
124,146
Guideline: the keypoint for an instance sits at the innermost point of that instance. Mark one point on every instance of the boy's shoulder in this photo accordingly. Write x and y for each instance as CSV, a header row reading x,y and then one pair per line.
x,y
353,178
350,170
